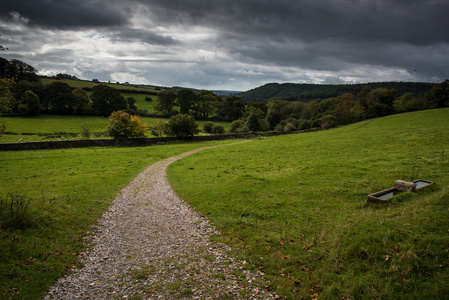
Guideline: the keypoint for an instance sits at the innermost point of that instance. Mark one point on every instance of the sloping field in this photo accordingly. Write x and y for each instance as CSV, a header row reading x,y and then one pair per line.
x,y
295,207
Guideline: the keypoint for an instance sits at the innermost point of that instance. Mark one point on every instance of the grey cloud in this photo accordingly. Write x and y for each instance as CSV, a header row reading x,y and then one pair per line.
x,y
66,13
309,20
262,40
130,34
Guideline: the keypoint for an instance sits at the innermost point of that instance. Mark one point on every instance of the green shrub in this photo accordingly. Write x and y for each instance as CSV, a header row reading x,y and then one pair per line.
x,y
253,123
328,121
85,131
207,127
304,124
289,127
235,125
182,126
218,129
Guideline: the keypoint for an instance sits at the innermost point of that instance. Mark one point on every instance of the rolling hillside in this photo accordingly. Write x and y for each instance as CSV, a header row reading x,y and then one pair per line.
x,y
296,207
308,92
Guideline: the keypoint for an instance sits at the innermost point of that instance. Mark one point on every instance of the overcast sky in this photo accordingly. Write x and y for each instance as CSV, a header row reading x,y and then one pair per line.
x,y
230,44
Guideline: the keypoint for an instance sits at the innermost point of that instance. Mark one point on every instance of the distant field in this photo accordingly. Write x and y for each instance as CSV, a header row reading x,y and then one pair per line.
x,y
90,84
53,127
142,103
295,207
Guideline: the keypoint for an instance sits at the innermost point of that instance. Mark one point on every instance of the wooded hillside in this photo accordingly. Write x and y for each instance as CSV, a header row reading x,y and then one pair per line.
x,y
308,92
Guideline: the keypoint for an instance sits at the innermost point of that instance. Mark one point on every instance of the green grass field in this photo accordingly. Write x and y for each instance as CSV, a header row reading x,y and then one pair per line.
x,y
90,84
69,190
53,127
296,207
141,103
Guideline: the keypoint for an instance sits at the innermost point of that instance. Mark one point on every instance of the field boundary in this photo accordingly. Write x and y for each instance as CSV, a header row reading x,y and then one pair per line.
x,y
47,145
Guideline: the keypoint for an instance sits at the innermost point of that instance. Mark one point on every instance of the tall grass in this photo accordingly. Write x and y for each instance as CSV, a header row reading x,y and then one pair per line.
x,y
295,206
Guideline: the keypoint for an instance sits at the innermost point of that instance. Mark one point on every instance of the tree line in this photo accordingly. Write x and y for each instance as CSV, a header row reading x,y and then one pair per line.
x,y
308,92
283,115
21,92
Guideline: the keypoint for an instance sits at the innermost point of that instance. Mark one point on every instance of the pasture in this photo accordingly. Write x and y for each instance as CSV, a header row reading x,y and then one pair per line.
x,y
53,127
55,197
295,207
90,84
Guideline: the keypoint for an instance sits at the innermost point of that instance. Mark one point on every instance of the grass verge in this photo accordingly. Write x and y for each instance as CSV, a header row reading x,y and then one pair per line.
x,y
295,207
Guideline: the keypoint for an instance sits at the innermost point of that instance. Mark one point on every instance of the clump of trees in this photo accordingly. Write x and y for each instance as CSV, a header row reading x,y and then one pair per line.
x,y
282,115
28,96
200,105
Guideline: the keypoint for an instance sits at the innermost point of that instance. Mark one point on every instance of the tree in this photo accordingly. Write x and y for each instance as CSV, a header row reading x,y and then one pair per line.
x,y
328,121
21,87
159,128
106,99
253,123
19,70
58,98
377,102
258,106
6,96
131,103
438,96
165,102
232,108
235,125
182,126
82,103
205,104
184,100
29,104
274,112
218,129
123,126
408,102
346,109
207,127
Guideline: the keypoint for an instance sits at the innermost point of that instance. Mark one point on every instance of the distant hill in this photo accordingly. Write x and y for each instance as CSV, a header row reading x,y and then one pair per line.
x,y
309,92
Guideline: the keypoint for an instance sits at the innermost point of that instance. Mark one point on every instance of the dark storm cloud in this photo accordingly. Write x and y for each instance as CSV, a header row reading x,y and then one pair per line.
x,y
226,42
63,14
411,21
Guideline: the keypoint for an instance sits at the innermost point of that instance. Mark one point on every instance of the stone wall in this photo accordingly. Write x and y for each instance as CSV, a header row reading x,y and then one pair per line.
x,y
126,142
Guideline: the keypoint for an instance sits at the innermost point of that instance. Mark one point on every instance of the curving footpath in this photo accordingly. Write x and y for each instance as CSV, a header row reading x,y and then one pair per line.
x,y
151,245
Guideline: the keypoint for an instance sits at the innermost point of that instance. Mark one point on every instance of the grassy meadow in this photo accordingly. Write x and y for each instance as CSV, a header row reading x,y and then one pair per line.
x,y
295,207
56,196
90,84
53,127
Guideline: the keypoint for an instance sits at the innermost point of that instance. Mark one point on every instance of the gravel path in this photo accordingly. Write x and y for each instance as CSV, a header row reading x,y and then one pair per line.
x,y
151,245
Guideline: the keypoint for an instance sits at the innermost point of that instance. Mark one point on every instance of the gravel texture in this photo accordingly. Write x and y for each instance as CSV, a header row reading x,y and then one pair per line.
x,y
151,245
